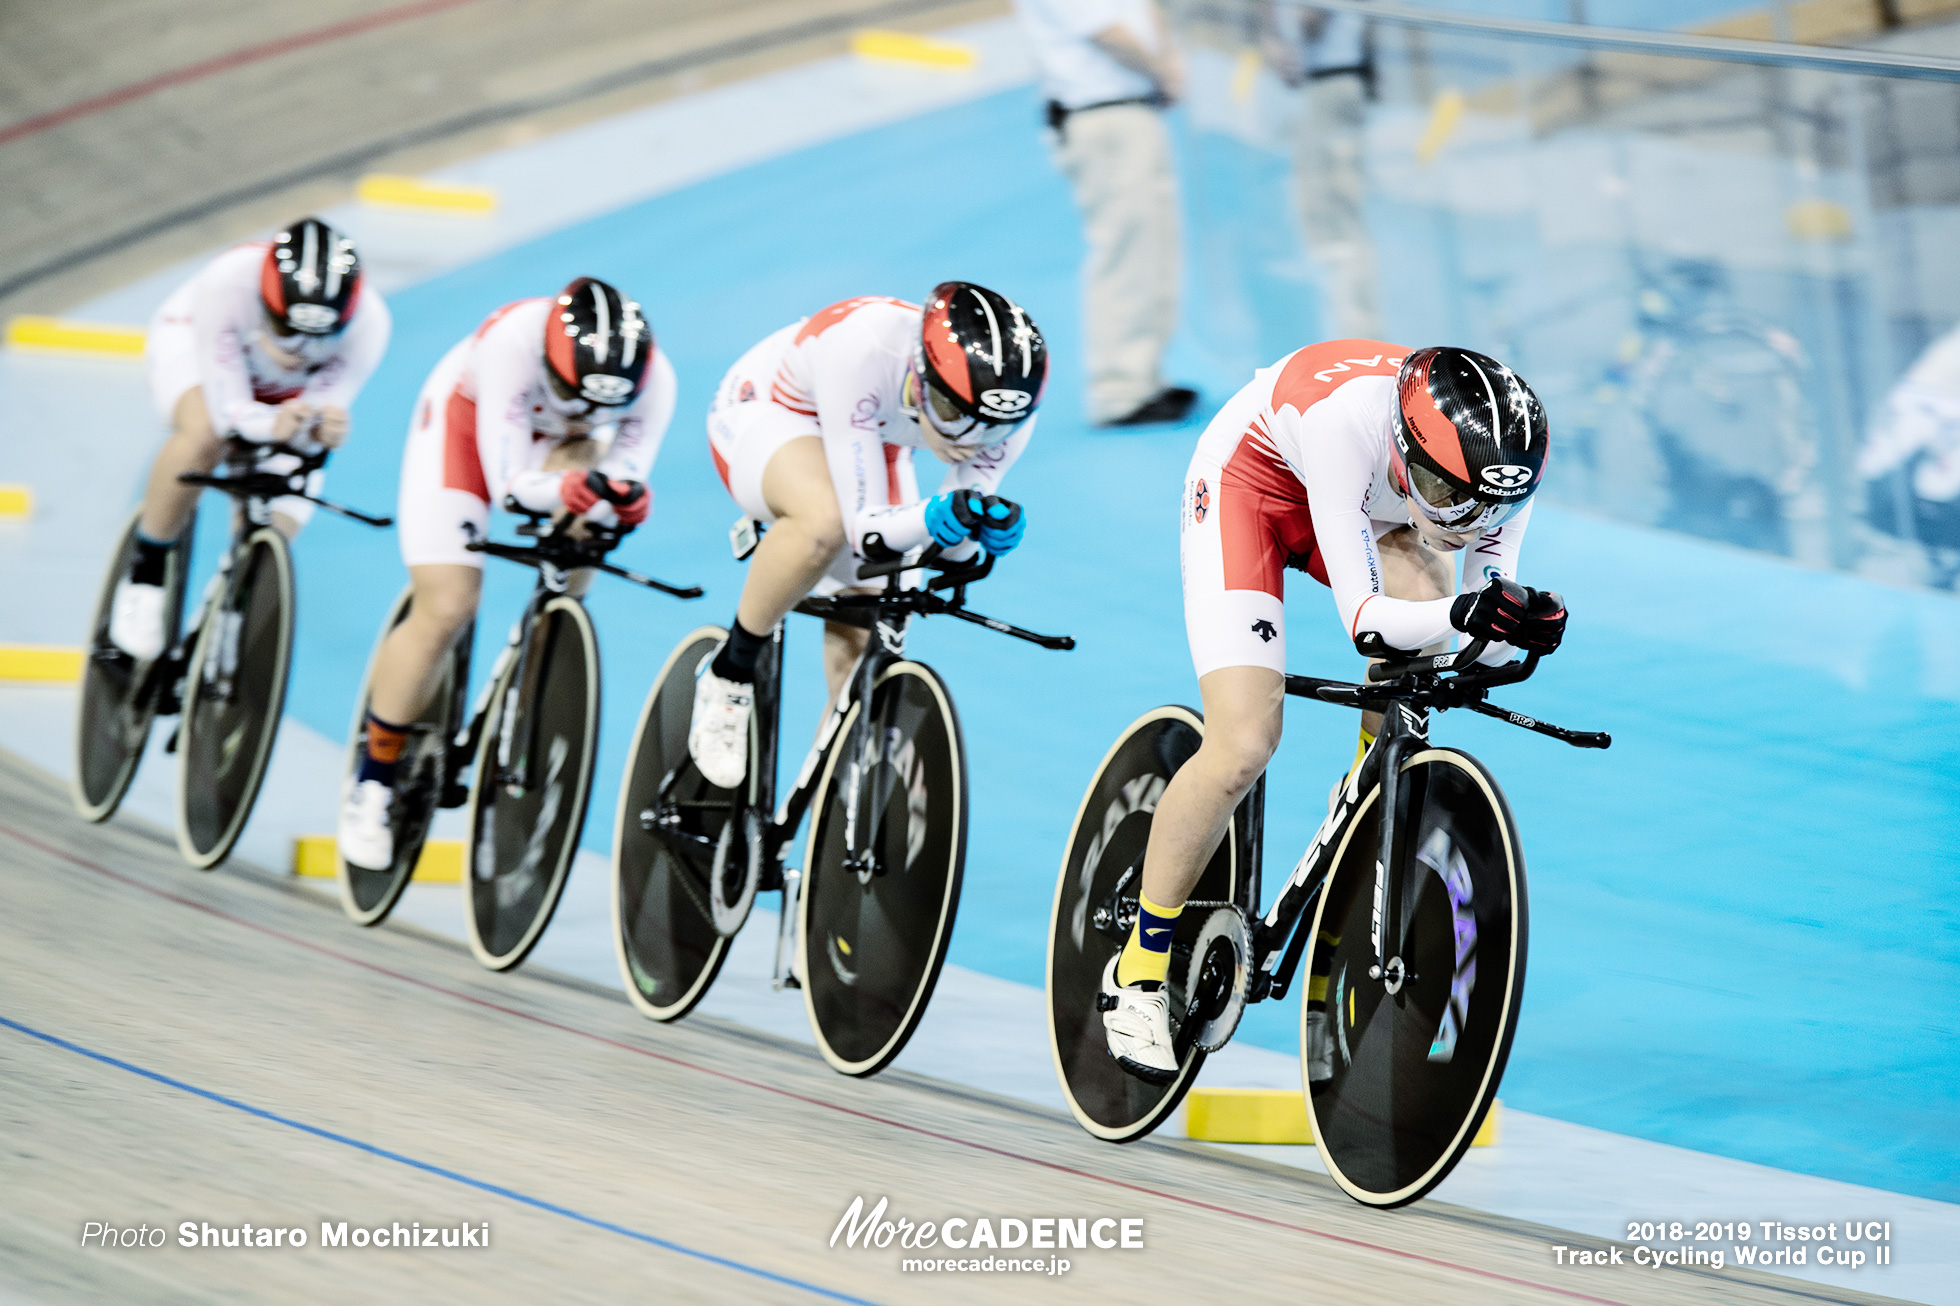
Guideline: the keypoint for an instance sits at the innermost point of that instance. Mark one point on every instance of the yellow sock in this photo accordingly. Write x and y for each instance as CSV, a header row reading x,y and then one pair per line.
x,y
1147,955
1360,750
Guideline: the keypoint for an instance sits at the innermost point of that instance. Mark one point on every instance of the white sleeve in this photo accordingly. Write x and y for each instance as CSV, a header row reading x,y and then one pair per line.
x,y
848,381
636,442
1339,469
507,363
986,469
219,326
1494,554
339,383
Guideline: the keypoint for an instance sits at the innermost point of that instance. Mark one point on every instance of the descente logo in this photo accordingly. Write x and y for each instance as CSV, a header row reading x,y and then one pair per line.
x,y
869,1229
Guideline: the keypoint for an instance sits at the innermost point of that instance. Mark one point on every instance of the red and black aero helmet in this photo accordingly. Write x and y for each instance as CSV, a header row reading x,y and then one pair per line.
x,y
311,279
1470,438
596,345
982,361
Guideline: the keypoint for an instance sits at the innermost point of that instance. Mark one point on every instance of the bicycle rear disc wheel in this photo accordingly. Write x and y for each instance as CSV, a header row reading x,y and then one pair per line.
x,y
117,702
663,921
1406,1078
1088,927
872,944
525,819
368,896
234,698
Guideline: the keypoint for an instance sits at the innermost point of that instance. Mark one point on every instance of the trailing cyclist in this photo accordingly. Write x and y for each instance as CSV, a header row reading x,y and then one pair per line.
x,y
813,431
270,342
542,393
1370,467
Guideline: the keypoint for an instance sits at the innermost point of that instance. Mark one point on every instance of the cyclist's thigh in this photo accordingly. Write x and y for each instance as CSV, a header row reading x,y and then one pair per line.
x,y
443,496
1229,539
1409,571
446,595
745,439
170,357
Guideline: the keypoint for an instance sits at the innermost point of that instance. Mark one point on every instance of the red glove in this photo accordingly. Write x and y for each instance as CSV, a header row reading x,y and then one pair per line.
x,y
577,496
582,491
632,501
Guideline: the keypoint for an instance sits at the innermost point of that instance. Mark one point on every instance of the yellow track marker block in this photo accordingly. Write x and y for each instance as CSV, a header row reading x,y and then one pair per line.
x,y
919,51
1247,1115
1444,117
1818,220
1277,1115
59,335
16,501
441,863
39,662
396,192
1245,75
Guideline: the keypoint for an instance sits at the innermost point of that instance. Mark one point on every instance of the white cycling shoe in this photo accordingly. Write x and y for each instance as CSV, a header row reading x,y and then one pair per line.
x,y
1138,1026
366,840
718,734
136,619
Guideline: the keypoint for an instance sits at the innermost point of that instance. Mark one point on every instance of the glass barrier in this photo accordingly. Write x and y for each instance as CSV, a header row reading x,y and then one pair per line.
x,y
1734,287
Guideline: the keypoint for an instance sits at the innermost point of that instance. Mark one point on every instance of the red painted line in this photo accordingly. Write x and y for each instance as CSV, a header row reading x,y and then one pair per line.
x,y
759,1086
225,63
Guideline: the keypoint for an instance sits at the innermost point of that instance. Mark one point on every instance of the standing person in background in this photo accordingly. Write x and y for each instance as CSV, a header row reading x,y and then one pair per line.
x,y
1109,71
1332,55
1919,434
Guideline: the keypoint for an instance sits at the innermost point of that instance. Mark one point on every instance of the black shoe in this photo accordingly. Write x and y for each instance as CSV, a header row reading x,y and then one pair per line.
x,y
1170,404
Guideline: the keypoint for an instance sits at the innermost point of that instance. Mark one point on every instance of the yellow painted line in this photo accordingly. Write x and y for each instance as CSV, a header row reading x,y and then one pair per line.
x,y
441,863
16,501
59,335
39,662
919,51
1445,115
396,192
1818,220
1275,1115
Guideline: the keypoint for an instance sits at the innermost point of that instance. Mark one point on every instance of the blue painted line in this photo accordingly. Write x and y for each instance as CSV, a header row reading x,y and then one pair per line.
x,y
483,1185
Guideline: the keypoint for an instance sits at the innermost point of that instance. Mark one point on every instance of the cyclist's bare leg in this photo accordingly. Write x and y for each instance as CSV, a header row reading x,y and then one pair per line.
x,y
842,646
409,669
192,447
801,543
1243,711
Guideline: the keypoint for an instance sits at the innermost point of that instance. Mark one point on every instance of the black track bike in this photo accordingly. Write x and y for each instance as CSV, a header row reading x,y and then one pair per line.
x,y
530,742
870,914
226,675
1409,908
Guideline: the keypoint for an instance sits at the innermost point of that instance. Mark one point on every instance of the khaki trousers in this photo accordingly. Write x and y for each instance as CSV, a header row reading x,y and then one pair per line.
x,y
1328,169
1118,160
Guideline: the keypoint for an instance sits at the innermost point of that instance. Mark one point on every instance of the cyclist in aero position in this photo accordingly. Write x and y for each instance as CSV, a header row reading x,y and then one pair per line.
x,y
813,430
1370,467
540,394
270,342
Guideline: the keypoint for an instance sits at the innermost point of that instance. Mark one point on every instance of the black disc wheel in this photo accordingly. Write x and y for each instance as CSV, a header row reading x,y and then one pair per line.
x,y
1095,906
875,924
533,778
367,896
234,697
119,695
671,823
1401,1068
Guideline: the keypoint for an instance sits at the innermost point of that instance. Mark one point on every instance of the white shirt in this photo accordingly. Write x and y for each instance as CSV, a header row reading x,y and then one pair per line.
x,y
1075,70
517,427
1922,415
846,366
243,387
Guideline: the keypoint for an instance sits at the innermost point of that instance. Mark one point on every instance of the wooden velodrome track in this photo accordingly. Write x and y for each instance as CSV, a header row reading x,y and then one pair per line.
x,y
226,1049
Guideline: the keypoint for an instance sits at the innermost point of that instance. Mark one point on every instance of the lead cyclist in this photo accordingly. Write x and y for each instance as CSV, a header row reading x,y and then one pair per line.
x,y
1373,468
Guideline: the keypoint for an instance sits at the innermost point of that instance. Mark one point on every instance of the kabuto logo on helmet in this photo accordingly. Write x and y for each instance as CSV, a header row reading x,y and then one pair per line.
x,y
1004,405
1507,476
602,389
314,319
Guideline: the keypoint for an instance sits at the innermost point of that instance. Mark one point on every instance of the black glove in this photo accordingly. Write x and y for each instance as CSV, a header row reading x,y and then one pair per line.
x,y
1493,612
1544,623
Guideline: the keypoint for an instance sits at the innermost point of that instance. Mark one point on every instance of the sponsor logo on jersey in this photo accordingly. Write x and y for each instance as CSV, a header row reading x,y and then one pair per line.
x,y
1005,405
1264,630
315,319
746,395
1507,476
602,389
1200,502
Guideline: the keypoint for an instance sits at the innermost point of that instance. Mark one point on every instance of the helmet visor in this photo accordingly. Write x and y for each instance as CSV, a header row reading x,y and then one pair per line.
x,y
1452,508
962,428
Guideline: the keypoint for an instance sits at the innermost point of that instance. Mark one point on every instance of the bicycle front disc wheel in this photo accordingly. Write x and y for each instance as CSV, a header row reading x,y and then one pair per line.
x,y
234,696
1398,1081
874,935
1095,901
367,896
664,839
118,696
533,780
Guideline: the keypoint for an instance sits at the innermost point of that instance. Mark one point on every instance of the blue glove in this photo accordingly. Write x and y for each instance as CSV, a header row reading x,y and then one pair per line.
x,y
1002,524
954,516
